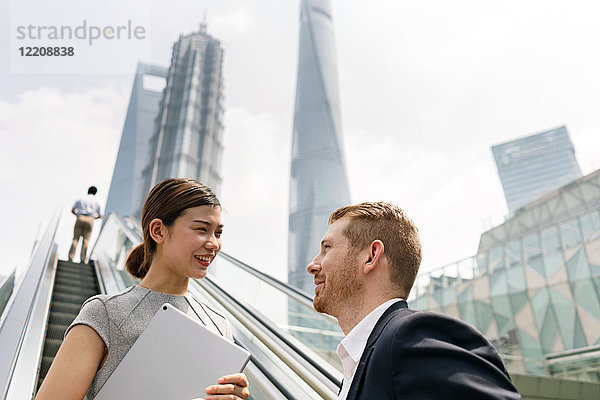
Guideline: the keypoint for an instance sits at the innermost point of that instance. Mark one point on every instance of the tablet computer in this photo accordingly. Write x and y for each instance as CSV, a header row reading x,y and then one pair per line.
x,y
176,358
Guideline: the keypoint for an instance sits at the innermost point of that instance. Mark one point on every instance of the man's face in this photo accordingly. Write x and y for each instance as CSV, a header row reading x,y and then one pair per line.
x,y
336,270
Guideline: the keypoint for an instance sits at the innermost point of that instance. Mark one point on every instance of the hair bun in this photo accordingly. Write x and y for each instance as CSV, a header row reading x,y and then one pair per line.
x,y
136,262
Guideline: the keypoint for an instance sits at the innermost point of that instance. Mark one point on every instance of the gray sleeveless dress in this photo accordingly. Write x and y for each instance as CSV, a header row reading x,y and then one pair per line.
x,y
120,319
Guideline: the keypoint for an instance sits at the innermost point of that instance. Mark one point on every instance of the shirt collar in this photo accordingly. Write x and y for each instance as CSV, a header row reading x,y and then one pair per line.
x,y
355,341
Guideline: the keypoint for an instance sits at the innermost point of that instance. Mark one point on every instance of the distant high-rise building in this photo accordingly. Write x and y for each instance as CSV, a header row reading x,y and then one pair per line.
x,y
188,135
535,165
127,186
318,183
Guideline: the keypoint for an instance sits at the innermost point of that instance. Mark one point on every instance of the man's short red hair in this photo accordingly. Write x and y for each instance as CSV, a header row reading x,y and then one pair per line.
x,y
388,223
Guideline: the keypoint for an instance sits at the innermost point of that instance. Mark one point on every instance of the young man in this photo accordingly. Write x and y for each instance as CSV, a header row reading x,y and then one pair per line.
x,y
367,264
87,210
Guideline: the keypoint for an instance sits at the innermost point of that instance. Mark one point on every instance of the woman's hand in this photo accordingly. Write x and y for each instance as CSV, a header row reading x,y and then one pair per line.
x,y
230,387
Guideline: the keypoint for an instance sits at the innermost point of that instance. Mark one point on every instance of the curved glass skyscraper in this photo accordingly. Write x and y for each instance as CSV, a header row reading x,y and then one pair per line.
x,y
127,190
318,183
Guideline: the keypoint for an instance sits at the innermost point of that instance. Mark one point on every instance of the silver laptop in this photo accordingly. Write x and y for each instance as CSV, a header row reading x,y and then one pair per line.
x,y
174,358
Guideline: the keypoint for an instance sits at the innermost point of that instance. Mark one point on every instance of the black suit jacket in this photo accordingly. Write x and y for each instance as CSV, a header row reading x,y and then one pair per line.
x,y
423,355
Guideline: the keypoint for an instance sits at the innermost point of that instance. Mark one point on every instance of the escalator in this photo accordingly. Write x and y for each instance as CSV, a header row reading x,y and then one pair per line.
x,y
291,354
73,284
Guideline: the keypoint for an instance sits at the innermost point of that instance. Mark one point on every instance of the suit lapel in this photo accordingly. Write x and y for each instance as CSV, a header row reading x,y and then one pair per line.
x,y
357,381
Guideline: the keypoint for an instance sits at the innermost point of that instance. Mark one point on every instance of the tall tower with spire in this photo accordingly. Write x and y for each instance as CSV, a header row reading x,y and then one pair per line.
x,y
318,182
188,133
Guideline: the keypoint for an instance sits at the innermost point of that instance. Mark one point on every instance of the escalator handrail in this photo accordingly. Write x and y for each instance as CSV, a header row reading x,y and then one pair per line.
x,y
257,327
330,374
106,278
18,312
7,285
272,280
295,293
133,221
133,235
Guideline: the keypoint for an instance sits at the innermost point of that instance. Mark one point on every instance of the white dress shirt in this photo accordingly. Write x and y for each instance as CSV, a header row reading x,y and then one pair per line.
x,y
351,348
87,205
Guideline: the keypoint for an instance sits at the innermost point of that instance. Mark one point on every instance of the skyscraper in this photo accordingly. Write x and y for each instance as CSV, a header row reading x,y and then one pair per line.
x,y
127,186
318,183
532,166
188,135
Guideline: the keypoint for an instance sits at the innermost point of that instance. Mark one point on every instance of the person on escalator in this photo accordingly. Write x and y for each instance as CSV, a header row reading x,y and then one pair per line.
x,y
181,223
86,209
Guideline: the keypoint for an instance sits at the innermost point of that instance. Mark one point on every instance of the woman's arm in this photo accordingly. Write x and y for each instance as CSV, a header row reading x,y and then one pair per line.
x,y
74,366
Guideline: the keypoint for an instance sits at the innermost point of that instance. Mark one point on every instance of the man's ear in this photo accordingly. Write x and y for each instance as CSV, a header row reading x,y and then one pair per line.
x,y
158,230
375,252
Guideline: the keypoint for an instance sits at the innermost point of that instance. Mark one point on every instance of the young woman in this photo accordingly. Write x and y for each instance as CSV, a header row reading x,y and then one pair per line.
x,y
181,223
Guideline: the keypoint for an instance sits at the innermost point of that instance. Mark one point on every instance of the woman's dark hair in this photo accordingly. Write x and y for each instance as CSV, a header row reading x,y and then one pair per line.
x,y
166,201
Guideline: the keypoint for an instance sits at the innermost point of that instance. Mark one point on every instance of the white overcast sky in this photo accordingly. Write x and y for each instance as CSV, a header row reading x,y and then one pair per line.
x,y
426,88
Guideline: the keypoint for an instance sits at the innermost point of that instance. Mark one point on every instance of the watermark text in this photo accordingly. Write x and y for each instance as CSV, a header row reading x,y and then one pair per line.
x,y
85,31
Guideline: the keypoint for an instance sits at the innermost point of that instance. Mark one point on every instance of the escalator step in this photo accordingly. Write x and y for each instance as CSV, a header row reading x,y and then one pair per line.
x,y
75,274
76,268
66,307
56,331
72,282
74,290
75,283
73,264
51,347
61,318
71,276
70,297
44,367
86,274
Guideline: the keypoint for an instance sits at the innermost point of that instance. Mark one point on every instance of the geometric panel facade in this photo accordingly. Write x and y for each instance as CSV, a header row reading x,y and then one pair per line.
x,y
536,291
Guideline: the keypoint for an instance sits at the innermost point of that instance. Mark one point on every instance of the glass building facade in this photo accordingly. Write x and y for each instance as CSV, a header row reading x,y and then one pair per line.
x,y
534,286
188,134
532,166
318,182
127,188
